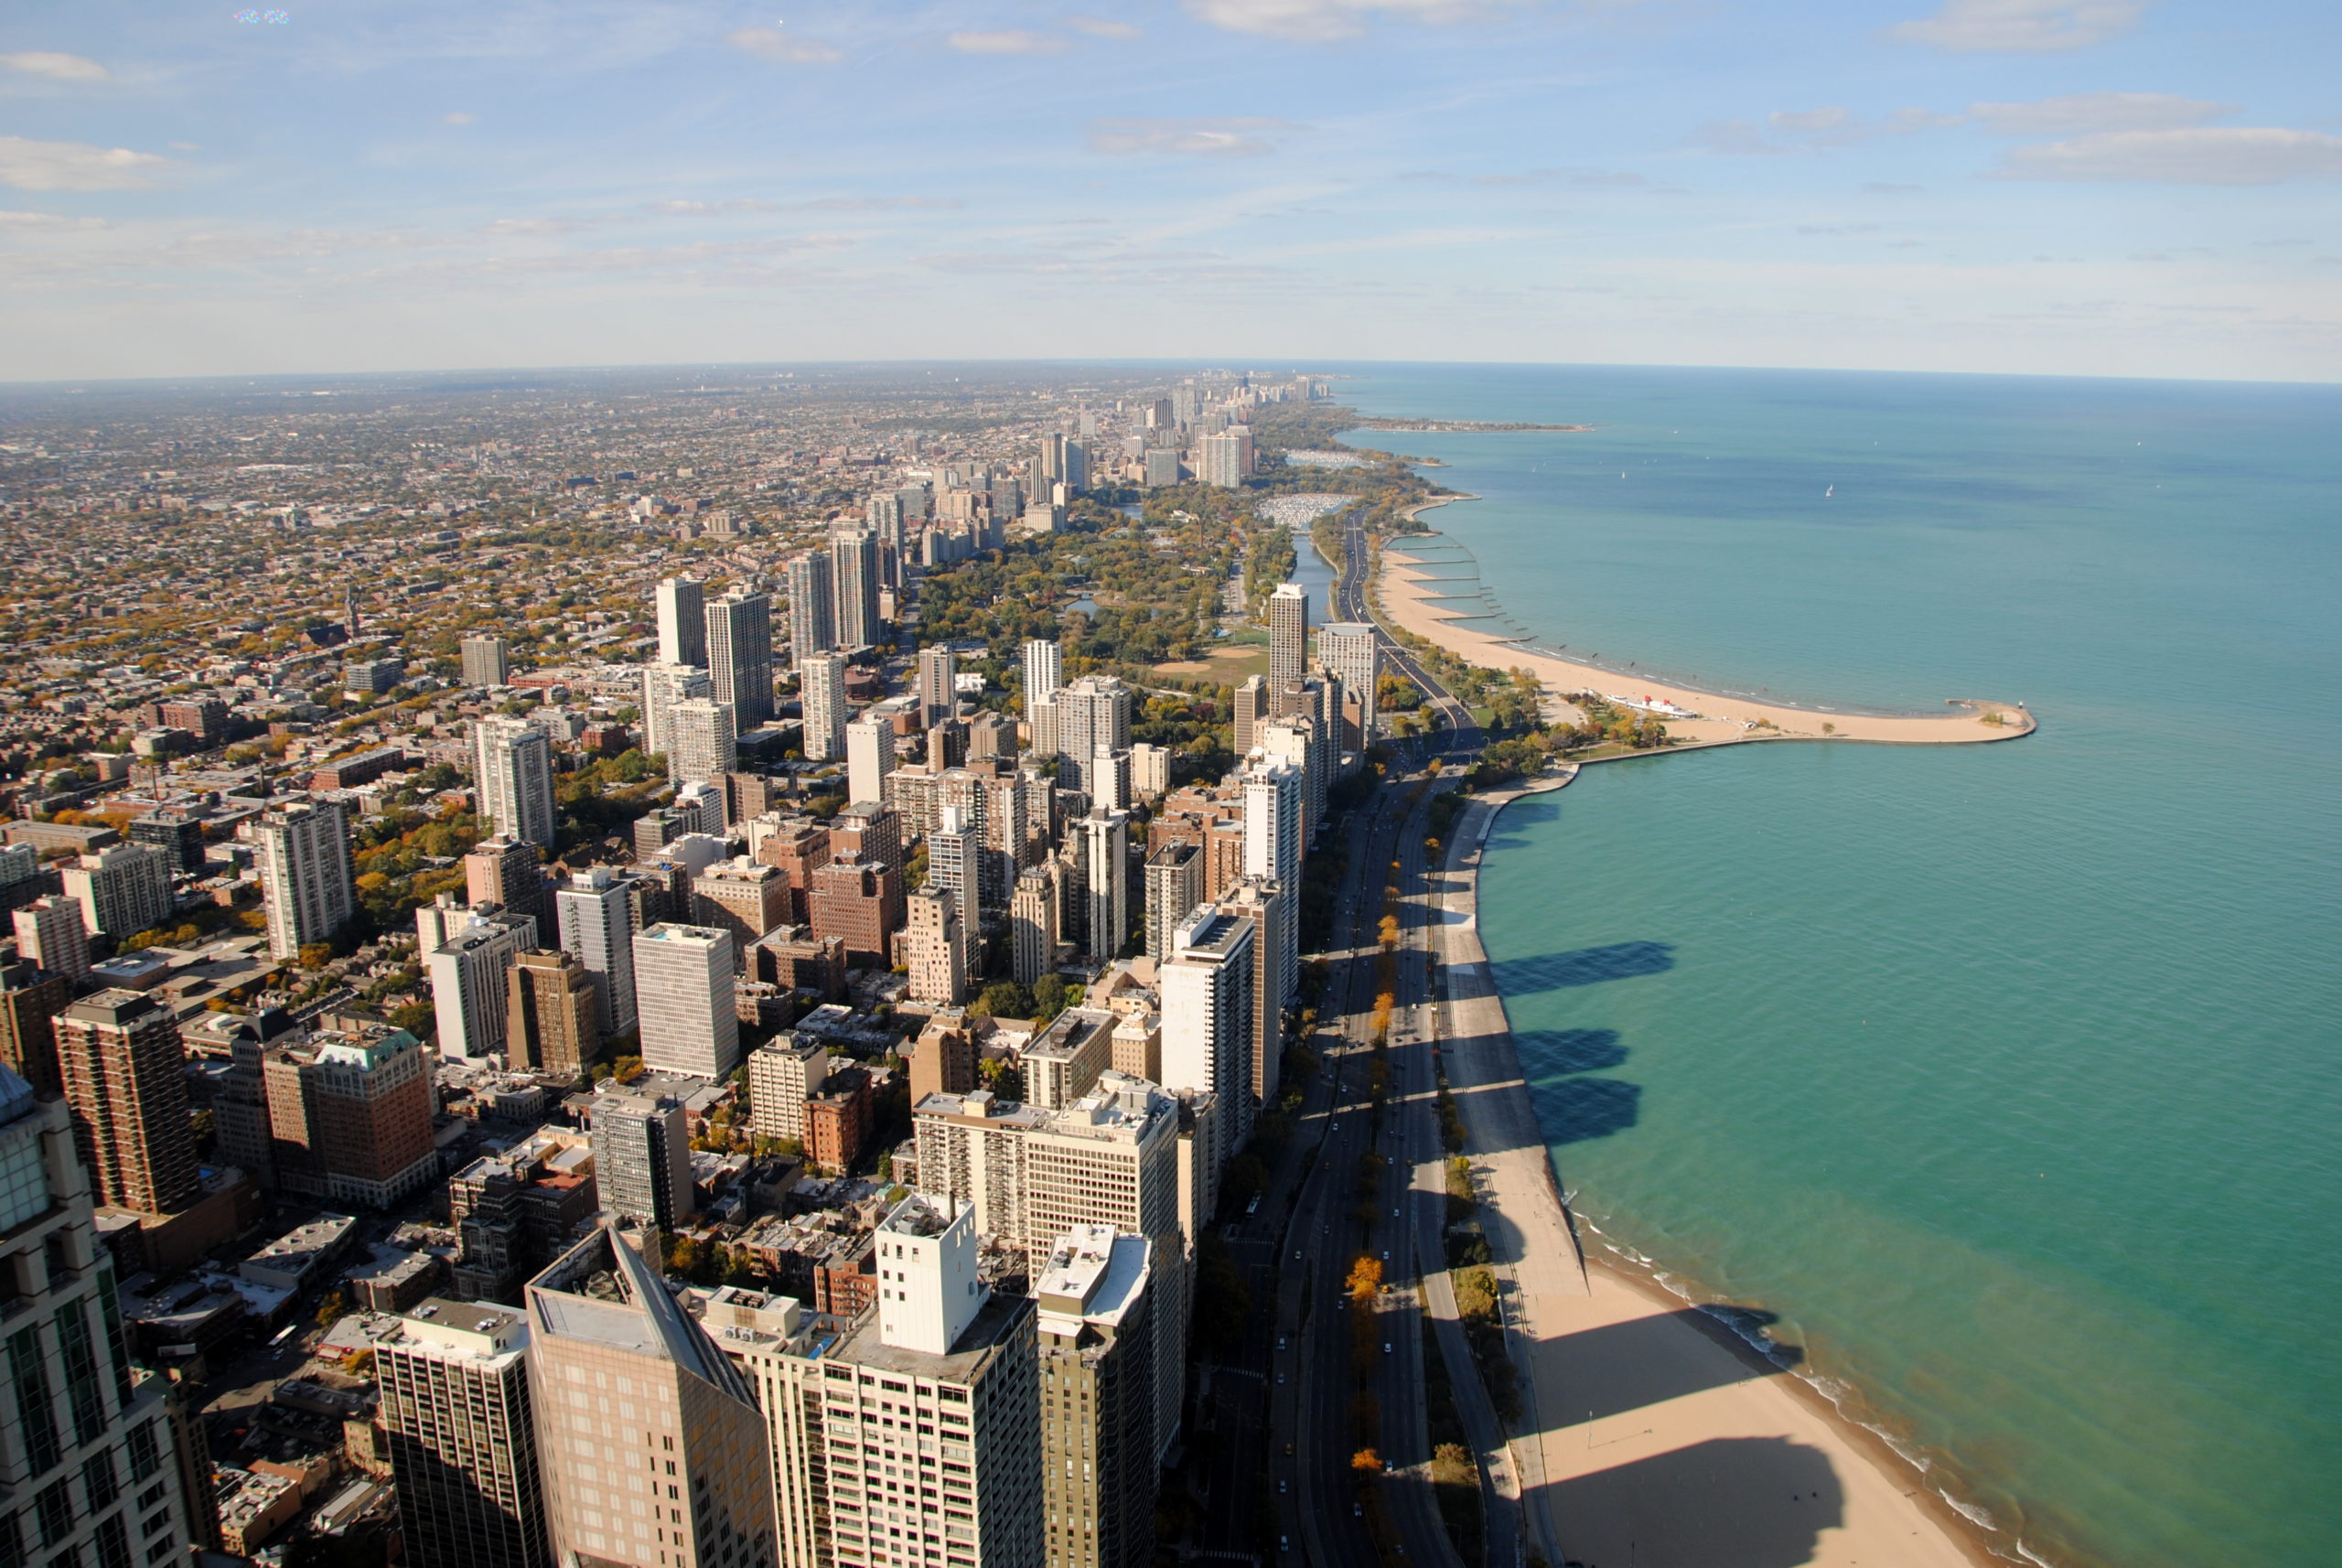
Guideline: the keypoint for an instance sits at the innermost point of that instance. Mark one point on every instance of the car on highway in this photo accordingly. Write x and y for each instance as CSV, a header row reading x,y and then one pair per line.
x,y
1386,1346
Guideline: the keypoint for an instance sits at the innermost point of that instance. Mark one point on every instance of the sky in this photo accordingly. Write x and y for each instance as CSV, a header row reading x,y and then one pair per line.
x,y
2125,188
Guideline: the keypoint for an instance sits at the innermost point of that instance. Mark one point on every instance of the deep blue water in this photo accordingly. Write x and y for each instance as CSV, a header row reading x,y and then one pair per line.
x,y
2010,1076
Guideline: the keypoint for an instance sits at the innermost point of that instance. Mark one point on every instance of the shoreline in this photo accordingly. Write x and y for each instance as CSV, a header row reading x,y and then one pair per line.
x,y
1403,592
1701,1423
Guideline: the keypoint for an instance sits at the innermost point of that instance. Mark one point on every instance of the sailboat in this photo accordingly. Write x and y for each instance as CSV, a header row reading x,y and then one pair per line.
x,y
1828,493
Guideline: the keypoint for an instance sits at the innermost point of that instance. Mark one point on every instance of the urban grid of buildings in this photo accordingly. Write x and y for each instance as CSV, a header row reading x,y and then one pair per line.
x,y
558,968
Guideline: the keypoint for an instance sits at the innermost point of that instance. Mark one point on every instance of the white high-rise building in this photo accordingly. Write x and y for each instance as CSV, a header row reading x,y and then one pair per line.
x,y
1206,988
1108,780
1175,885
1288,635
302,850
935,947
682,621
1273,819
703,741
596,913
123,889
739,656
955,859
1225,459
1348,649
1093,715
1276,968
513,764
812,607
471,975
663,686
823,695
1044,668
53,933
684,981
869,758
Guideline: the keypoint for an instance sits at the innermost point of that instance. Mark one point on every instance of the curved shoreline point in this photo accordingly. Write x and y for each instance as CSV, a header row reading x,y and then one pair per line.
x,y
1408,598
1650,1430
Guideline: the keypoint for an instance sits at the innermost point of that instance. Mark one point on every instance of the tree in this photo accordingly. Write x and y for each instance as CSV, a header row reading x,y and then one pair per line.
x,y
1365,1278
316,955
331,1309
1005,999
1367,1462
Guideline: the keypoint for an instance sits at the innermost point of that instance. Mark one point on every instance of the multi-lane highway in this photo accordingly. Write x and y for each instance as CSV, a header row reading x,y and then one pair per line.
x,y
1350,604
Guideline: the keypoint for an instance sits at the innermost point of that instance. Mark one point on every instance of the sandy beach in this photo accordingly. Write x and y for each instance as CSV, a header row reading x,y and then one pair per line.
x,y
1403,588
1656,1440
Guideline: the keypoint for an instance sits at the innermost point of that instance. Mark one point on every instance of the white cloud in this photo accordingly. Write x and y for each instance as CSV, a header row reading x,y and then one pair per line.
x,y
457,117
1097,27
74,166
1008,41
2211,155
49,222
56,67
2020,26
772,44
536,225
1223,139
1807,120
2083,114
1319,21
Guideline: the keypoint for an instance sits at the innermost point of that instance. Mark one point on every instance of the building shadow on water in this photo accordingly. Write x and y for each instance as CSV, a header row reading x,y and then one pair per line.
x,y
1545,1052
1579,1110
1522,815
1729,1502
1587,966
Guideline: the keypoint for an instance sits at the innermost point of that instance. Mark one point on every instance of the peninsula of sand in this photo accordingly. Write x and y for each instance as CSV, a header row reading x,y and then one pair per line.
x,y
1410,597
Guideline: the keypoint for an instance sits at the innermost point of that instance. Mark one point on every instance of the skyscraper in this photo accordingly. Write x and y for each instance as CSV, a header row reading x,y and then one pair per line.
x,y
1175,885
1093,715
303,851
1252,712
663,686
513,761
1101,843
1096,1301
938,698
1275,971
739,656
349,1114
685,980
125,1078
54,933
935,947
812,607
853,571
484,659
1207,987
1288,635
1226,458
1348,648
89,1443
642,1159
869,758
600,1316
596,918
123,889
30,997
463,1443
946,1354
1043,667
553,1022
682,621
508,873
1273,854
955,860
471,986
703,742
1033,924
823,695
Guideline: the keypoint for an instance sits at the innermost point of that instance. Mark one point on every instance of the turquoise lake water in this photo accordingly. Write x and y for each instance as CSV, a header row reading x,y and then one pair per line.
x,y
2009,1076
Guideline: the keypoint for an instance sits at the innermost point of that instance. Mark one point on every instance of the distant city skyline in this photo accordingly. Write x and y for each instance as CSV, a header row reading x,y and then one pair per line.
x,y
2066,186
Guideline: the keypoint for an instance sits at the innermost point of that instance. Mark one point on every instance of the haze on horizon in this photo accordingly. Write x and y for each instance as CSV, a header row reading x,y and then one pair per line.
x,y
2066,186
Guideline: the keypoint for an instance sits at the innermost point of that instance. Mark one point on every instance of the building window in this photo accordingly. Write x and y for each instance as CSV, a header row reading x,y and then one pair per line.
x,y
29,1370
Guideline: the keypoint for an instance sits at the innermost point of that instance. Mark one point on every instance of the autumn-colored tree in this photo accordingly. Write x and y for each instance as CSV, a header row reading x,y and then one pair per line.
x,y
1367,1462
1365,1278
